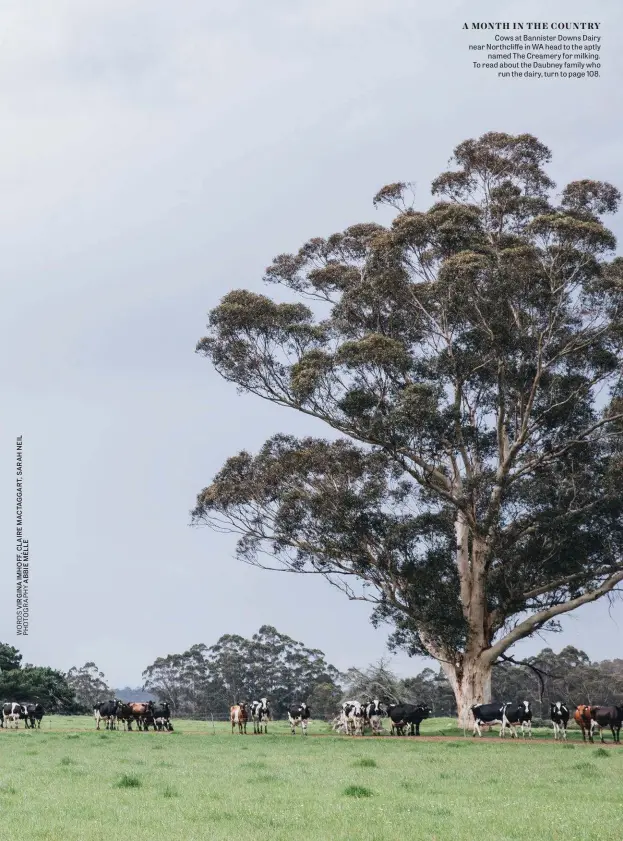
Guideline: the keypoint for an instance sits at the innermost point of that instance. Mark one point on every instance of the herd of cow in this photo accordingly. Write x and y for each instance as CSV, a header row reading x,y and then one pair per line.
x,y
144,714
353,719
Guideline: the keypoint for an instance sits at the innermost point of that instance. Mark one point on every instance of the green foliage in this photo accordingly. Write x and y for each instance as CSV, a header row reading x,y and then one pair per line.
x,y
358,791
10,658
38,684
129,781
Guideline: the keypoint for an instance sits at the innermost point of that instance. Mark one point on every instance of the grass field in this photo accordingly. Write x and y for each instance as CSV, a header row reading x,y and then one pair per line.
x,y
71,783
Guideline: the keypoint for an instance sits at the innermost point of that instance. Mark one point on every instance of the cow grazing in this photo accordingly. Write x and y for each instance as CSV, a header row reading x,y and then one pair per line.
x,y
374,713
299,714
402,715
559,714
520,714
11,714
239,716
106,710
33,713
607,717
488,714
582,717
260,713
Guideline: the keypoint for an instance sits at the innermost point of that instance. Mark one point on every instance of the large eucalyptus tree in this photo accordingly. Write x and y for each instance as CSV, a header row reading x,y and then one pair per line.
x,y
467,361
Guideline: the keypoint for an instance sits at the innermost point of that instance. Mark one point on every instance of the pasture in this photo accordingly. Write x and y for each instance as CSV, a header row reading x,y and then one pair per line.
x,y
73,783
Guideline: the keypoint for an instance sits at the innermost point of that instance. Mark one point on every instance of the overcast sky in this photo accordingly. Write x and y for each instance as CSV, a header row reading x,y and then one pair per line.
x,y
156,155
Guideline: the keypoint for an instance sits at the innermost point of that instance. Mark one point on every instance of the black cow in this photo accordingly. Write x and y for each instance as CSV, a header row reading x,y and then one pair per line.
x,y
33,713
161,716
607,717
107,710
125,716
299,714
559,714
411,714
515,714
488,714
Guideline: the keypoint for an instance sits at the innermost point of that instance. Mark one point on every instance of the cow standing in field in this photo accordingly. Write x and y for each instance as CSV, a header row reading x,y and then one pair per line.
x,y
353,715
607,717
374,713
487,714
238,716
559,714
106,710
162,716
139,711
260,713
402,715
33,713
299,714
11,714
582,717
515,715
124,715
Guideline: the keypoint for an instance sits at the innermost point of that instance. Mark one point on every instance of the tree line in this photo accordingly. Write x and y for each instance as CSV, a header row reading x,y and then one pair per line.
x,y
205,681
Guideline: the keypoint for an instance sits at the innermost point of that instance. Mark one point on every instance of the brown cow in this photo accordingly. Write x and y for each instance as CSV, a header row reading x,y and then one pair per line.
x,y
140,712
238,716
582,717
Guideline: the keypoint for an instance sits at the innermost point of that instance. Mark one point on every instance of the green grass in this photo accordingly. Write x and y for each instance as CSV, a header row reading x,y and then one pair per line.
x,y
208,784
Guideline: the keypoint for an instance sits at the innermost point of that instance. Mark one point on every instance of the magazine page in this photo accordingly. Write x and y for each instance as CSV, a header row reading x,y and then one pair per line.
x,y
312,445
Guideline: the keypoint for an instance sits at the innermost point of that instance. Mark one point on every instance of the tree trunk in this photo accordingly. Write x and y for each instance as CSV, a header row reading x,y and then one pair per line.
x,y
471,684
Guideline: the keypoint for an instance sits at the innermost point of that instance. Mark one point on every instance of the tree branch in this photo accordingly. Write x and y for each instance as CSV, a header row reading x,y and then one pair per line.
x,y
537,620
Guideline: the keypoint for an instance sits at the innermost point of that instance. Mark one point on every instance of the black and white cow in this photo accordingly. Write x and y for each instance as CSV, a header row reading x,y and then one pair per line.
x,y
488,714
33,713
411,714
353,717
106,710
260,713
299,714
559,714
374,713
162,716
517,714
11,714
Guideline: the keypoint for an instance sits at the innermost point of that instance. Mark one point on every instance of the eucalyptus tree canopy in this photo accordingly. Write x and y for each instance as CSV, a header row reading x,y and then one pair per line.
x,y
466,360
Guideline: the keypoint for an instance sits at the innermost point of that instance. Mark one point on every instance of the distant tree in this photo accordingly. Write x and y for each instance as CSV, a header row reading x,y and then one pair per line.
x,y
39,684
89,685
206,680
10,658
181,680
324,700
470,357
